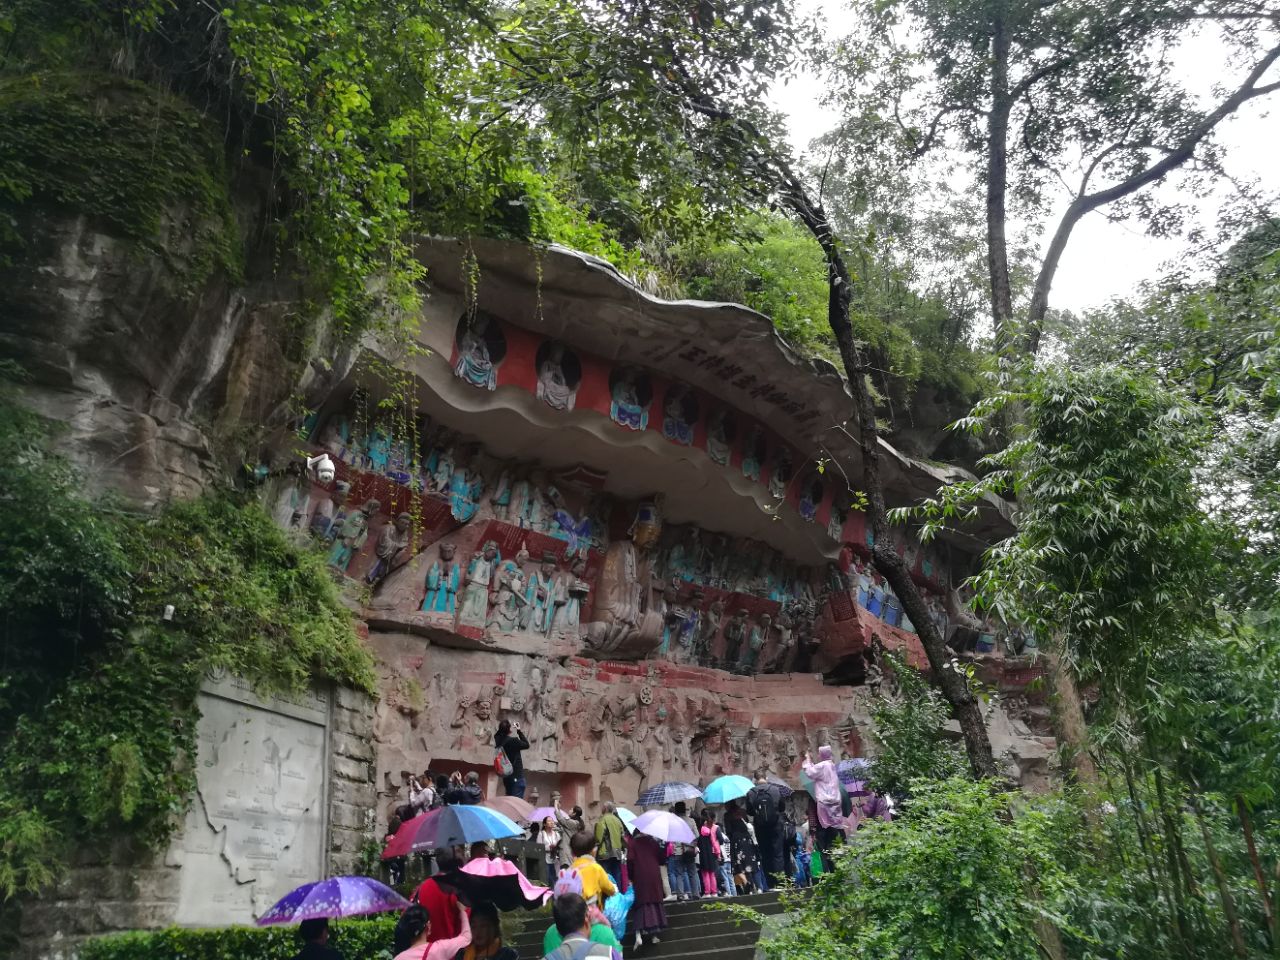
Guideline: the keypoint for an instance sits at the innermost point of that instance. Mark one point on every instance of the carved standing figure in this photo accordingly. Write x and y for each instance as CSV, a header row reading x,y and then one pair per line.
x,y
509,599
757,636
393,538
705,642
443,579
473,611
352,536
329,514
465,488
575,589
542,595
735,634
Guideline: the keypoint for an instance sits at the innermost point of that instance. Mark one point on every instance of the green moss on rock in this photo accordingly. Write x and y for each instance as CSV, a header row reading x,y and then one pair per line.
x,y
145,165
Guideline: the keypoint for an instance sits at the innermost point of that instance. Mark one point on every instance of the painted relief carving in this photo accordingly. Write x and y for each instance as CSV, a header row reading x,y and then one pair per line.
x,y
514,556
352,534
444,578
393,539
473,608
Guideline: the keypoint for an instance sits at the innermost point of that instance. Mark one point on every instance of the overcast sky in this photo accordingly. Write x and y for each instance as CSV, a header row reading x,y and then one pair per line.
x,y
1103,260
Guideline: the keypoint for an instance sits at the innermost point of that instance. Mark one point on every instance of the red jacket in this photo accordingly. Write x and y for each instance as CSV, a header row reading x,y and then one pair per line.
x,y
441,907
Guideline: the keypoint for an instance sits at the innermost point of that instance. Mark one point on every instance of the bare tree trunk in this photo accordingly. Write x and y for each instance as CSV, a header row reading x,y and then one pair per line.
x,y
953,686
998,178
1224,889
1146,840
774,168
1260,878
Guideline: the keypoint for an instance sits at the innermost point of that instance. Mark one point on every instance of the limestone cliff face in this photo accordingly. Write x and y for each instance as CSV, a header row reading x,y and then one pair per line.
x,y
159,389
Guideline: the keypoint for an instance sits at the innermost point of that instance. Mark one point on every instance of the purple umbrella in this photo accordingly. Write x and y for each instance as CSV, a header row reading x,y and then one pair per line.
x,y
335,897
852,771
541,813
783,787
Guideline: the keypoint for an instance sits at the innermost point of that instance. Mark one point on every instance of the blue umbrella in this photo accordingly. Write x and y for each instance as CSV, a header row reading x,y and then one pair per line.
x,y
451,826
667,793
625,815
335,897
724,789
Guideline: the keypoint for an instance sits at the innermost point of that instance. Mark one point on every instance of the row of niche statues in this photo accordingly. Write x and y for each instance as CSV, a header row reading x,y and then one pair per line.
x,y
733,639
438,461
690,556
873,593
460,473
343,527
495,595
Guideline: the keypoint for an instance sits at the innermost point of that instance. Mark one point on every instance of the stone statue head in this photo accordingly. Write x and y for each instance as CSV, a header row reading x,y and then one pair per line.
x,y
447,550
549,563
765,620
403,521
370,507
490,550
484,708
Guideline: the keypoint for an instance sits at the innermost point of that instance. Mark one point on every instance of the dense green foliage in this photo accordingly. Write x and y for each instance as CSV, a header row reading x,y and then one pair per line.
x,y
1123,567
96,685
947,879
910,742
382,121
1105,470
776,267
125,154
378,122
361,939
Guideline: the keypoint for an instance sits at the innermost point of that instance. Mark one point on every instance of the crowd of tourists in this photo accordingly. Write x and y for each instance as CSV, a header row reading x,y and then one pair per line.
x,y
604,877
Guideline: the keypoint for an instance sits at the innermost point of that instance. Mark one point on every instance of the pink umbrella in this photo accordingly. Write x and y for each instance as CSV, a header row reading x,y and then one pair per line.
x,y
498,881
538,814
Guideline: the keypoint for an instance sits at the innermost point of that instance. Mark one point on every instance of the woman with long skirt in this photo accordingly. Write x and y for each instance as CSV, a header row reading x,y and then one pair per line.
x,y
645,857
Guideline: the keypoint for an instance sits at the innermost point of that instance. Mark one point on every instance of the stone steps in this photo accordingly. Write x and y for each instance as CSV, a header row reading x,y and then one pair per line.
x,y
695,929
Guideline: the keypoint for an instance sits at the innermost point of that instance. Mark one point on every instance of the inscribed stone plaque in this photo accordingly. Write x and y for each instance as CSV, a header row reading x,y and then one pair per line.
x,y
256,826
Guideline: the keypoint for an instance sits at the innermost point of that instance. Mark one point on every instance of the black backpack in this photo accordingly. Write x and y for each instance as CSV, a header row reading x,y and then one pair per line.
x,y
764,806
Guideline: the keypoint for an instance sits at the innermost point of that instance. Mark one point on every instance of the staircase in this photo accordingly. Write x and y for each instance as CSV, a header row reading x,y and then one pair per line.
x,y
694,930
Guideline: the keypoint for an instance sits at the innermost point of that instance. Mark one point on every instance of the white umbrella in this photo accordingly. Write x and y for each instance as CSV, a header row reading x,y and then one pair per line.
x,y
663,826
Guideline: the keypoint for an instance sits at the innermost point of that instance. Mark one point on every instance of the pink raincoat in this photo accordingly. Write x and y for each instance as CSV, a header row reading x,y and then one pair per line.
x,y
826,789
